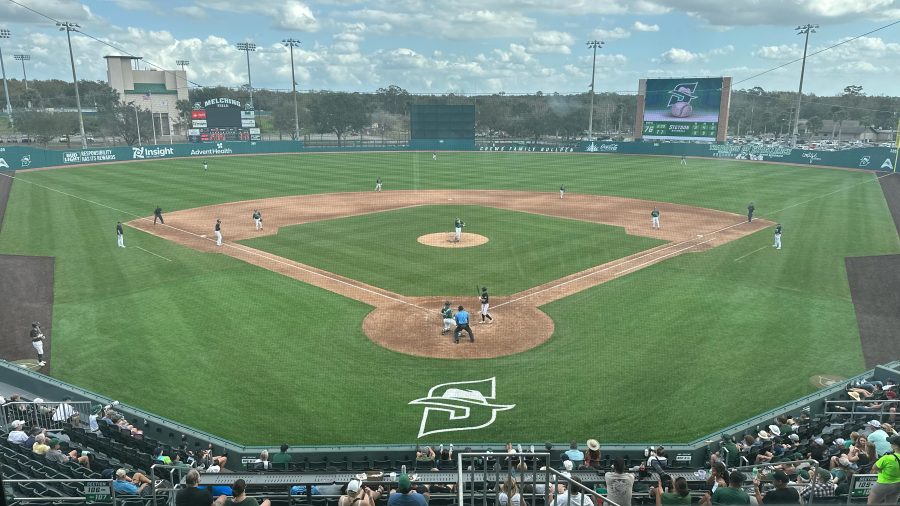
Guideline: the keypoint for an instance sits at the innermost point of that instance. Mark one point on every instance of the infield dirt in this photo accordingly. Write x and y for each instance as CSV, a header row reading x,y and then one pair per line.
x,y
412,325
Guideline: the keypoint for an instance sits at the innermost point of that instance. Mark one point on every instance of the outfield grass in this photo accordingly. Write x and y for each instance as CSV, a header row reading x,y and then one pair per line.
x,y
703,339
524,250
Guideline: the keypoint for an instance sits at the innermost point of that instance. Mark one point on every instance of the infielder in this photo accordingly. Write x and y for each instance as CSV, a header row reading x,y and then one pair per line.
x,y
120,235
462,323
218,232
433,156
157,214
562,190
447,314
485,306
378,184
37,340
777,244
257,217
750,210
205,166
654,217
458,226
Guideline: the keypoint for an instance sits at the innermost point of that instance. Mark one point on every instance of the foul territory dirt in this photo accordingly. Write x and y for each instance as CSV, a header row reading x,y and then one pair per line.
x,y
412,325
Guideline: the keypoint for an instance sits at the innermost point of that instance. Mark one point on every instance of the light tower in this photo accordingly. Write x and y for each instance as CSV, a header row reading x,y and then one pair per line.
x,y
247,47
69,28
4,34
594,44
291,44
801,30
24,58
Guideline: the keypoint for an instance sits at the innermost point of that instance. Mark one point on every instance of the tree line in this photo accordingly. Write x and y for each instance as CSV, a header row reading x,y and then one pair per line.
x,y
385,112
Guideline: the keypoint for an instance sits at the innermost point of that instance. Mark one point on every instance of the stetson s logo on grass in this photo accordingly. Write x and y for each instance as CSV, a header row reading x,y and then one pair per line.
x,y
459,405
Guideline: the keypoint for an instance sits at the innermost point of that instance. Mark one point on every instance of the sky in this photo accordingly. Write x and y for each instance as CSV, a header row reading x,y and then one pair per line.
x,y
467,46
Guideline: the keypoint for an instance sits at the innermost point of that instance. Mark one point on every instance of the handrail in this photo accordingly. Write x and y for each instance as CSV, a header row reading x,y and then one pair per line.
x,y
108,481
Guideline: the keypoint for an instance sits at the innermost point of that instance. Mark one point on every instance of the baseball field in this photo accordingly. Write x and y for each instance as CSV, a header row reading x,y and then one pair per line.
x,y
323,328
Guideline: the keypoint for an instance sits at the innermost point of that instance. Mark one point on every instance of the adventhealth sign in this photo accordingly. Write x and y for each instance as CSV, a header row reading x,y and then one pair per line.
x,y
144,152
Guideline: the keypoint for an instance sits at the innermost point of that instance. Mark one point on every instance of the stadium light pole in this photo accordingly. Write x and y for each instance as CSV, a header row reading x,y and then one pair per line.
x,y
247,47
594,44
4,34
801,30
291,44
182,63
69,28
24,58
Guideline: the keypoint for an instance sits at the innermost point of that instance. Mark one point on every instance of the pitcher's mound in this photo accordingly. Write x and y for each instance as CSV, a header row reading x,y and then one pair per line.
x,y
446,240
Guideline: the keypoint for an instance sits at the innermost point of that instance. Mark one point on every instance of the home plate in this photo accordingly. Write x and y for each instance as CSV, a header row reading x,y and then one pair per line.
x,y
449,199
699,235
203,236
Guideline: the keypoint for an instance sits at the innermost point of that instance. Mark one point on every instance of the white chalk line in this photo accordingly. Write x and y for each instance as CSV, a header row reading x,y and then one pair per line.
x,y
248,250
831,193
154,254
748,254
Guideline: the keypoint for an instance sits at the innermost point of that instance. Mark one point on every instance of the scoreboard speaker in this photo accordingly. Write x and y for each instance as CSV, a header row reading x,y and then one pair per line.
x,y
442,122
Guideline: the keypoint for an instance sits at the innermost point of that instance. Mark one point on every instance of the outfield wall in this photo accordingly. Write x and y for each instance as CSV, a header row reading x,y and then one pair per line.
x,y
868,158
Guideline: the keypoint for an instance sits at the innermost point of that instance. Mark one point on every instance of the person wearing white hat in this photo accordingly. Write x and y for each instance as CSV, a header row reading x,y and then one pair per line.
x,y
359,495
592,455
879,437
17,435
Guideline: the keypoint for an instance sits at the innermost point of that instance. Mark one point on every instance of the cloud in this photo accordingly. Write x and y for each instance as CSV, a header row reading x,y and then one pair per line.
x,y
678,55
285,15
779,52
136,5
615,33
191,11
643,27
550,42
67,10
753,12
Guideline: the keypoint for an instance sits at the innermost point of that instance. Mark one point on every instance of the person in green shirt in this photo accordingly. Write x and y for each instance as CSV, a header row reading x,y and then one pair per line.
x,y
732,494
678,493
887,489
447,316
282,459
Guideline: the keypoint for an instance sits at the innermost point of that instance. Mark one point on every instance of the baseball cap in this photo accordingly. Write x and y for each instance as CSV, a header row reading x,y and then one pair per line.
x,y
819,441
875,423
794,437
568,465
53,442
353,486
403,482
780,476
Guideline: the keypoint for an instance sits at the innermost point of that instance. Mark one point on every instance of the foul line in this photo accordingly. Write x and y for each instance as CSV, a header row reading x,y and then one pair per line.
x,y
154,254
248,250
831,193
748,254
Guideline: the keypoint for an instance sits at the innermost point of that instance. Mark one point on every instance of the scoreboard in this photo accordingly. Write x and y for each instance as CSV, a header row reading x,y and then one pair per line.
x,y
689,108
222,119
668,129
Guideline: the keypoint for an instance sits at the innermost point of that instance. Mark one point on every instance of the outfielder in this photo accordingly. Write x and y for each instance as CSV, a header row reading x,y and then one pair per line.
x,y
205,166
485,306
433,157
120,235
777,244
654,218
218,232
37,340
378,184
683,160
257,217
458,226
562,190
447,314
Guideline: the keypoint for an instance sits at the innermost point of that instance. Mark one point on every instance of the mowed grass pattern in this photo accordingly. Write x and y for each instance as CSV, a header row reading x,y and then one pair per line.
x,y
668,353
524,250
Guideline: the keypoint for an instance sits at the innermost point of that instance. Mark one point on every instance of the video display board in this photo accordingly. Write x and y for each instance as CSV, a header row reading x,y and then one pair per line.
x,y
222,119
683,108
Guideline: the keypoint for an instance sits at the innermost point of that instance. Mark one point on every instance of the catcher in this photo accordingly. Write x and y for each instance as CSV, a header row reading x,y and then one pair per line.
x,y
458,226
447,315
37,340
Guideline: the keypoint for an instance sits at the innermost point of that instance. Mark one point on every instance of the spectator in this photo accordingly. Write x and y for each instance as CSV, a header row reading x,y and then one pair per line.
x,y
358,495
35,431
678,493
262,463
192,495
40,446
718,477
133,485
887,489
405,495
239,490
65,412
17,435
823,486
424,457
56,455
619,483
817,450
509,492
879,438
574,454
572,496
783,494
592,455
159,455
215,467
283,458
730,452
732,494
657,459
